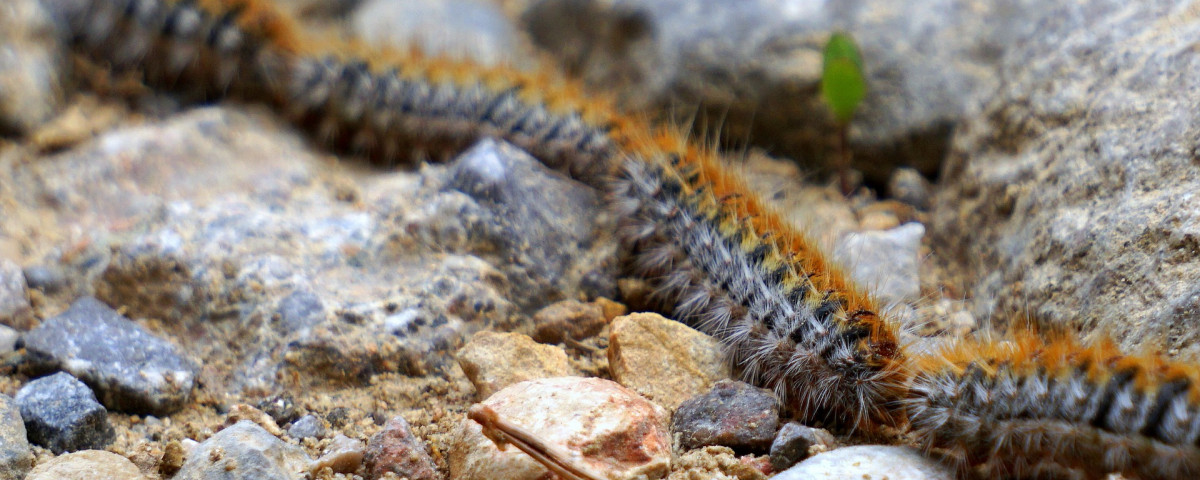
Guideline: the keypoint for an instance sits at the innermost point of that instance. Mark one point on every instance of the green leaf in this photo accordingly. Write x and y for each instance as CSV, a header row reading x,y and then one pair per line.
x,y
843,84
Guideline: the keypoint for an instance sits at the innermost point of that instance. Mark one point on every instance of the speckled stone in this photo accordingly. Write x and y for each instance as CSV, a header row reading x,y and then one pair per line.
x,y
869,461
494,360
732,414
86,465
15,456
663,359
396,450
244,451
62,414
796,442
130,368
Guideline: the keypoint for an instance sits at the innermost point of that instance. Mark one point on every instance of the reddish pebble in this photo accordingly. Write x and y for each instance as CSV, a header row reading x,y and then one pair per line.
x,y
395,449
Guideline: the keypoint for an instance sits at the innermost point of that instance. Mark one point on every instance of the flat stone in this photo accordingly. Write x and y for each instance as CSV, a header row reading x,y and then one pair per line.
x,y
15,456
343,455
62,414
732,414
86,465
796,442
493,361
869,461
568,319
602,425
886,262
131,369
396,450
244,451
662,359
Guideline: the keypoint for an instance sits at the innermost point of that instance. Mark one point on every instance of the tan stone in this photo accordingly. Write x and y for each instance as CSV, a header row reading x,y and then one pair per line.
x,y
86,465
663,359
493,360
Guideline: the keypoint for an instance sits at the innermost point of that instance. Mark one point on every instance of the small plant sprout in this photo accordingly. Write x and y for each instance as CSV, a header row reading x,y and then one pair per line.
x,y
843,86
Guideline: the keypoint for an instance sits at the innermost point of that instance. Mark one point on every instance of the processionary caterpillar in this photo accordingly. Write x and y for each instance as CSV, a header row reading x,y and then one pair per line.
x,y
719,258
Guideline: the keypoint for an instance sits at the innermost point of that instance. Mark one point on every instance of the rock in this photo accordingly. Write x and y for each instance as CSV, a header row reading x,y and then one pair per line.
x,y
8,339
15,456
869,461
909,186
1070,197
14,301
86,465
395,449
62,414
568,319
493,361
886,262
131,369
481,31
754,66
732,414
47,278
796,442
663,359
31,66
343,455
308,426
604,426
281,407
244,451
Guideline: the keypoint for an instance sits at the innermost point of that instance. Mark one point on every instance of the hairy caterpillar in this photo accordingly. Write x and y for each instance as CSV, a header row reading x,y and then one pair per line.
x,y
1028,407
718,256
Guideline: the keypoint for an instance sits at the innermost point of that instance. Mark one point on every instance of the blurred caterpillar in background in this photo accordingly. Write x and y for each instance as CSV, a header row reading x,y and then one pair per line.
x,y
717,255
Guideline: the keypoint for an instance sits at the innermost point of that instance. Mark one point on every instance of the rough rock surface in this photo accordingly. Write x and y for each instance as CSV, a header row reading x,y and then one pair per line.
x,y
1071,196
244,451
611,429
869,461
15,456
62,414
130,368
493,361
755,65
732,414
796,442
662,359
86,465
31,64
395,449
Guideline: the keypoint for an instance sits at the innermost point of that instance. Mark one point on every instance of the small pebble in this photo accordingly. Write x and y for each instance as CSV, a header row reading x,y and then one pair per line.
x,y
601,425
244,451
663,359
308,426
45,278
281,407
396,450
86,465
732,414
909,186
796,442
14,301
869,461
8,339
62,414
493,360
132,369
343,455
886,262
568,319
15,456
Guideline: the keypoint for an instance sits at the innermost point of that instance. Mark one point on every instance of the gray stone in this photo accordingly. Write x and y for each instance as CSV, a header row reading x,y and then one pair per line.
x,y
14,301
308,426
869,461
1071,197
732,414
8,339
481,31
15,456
31,66
47,278
754,66
796,442
62,414
886,262
130,368
244,451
